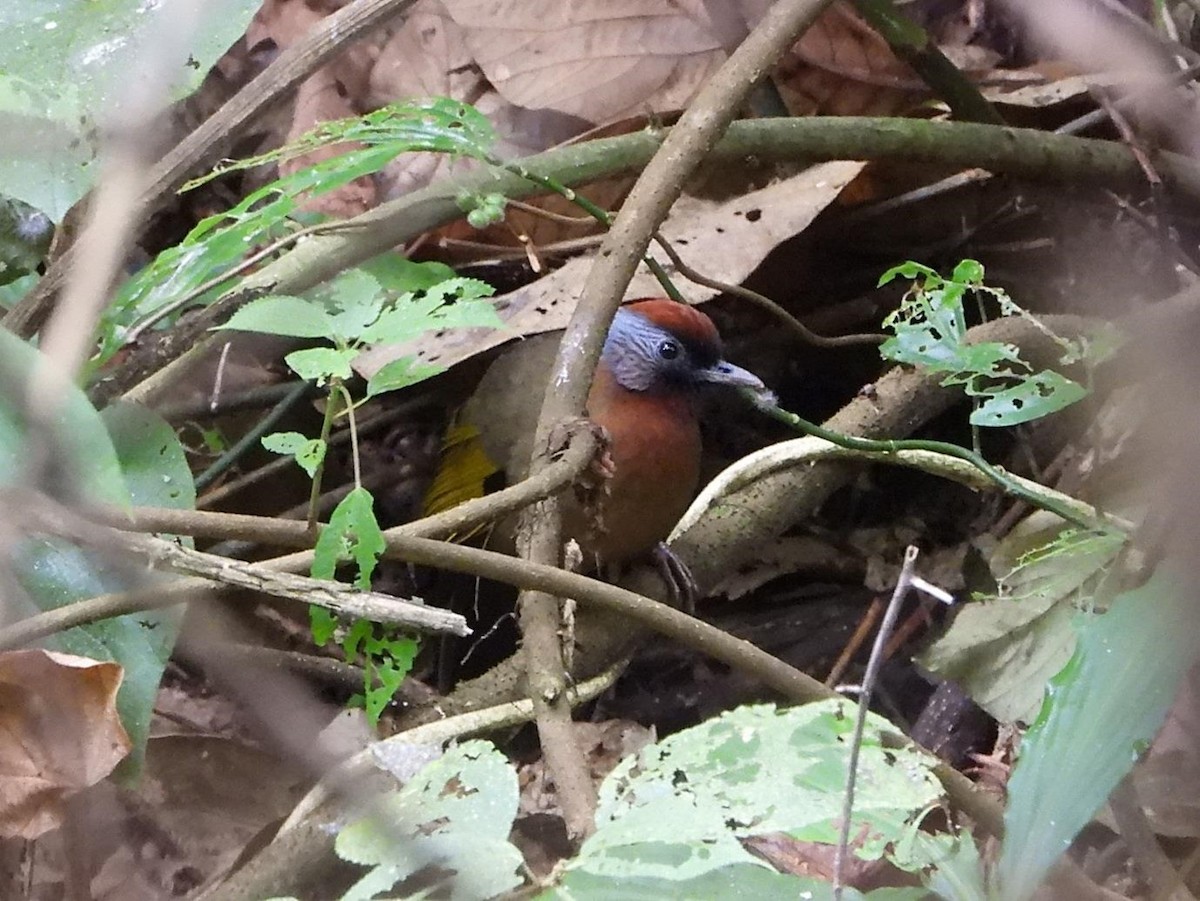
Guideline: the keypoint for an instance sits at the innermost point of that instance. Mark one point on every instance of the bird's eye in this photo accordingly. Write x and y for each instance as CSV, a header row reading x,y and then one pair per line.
x,y
669,350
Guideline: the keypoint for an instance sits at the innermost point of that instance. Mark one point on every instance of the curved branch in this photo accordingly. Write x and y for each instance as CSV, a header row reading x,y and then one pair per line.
x,y
1014,151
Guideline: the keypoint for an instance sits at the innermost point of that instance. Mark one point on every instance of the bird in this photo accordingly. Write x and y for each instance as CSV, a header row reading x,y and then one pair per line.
x,y
658,356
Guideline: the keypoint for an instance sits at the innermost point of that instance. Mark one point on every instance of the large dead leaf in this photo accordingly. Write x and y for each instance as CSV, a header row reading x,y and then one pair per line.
x,y
726,241
600,60
59,733
428,56
842,67
334,91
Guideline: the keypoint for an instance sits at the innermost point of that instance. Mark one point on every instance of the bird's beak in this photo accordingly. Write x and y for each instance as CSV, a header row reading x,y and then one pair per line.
x,y
723,373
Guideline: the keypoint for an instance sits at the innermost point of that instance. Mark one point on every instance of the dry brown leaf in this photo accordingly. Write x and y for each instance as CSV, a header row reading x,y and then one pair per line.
x,y
603,745
599,60
842,67
726,241
800,858
320,99
335,91
428,56
59,733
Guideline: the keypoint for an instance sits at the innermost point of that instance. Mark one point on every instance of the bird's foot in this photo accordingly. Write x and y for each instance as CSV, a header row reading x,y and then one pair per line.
x,y
681,584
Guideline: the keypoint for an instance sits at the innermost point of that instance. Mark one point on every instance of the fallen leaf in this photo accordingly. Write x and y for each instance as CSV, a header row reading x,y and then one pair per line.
x,y
59,733
842,67
333,91
599,60
603,745
427,56
724,240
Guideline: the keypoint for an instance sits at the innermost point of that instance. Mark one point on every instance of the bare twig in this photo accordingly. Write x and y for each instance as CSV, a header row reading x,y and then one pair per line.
x,y
903,583
803,332
44,515
477,722
691,632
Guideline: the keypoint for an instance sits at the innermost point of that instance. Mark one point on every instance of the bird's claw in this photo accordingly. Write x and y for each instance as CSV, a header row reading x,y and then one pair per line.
x,y
681,584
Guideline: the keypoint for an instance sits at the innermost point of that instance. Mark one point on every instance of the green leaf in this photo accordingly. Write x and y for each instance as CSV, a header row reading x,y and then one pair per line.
x,y
960,876
435,124
152,459
734,881
411,316
401,373
1003,650
319,364
908,270
51,164
144,458
294,317
452,818
1099,714
968,272
220,242
323,624
309,452
352,533
930,330
358,298
398,274
1031,398
676,810
79,63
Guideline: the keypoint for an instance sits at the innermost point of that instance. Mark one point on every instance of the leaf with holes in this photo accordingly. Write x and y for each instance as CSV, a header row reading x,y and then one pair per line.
x,y
453,819
353,533
309,452
320,364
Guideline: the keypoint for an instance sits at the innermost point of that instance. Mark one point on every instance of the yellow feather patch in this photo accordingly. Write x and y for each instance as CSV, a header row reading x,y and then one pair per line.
x,y
462,470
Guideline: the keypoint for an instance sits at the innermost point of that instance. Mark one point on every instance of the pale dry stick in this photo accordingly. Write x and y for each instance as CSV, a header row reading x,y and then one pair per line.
x,y
805,451
659,185
904,583
288,533
691,632
44,515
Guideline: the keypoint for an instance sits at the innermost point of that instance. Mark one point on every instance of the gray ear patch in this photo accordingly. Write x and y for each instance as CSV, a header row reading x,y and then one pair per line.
x,y
641,354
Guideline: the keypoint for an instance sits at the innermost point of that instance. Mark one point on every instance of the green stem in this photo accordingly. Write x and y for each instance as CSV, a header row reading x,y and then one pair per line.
x,y
995,473
349,402
251,438
314,497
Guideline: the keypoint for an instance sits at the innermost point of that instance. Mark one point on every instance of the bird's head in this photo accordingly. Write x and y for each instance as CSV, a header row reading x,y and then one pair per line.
x,y
662,345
